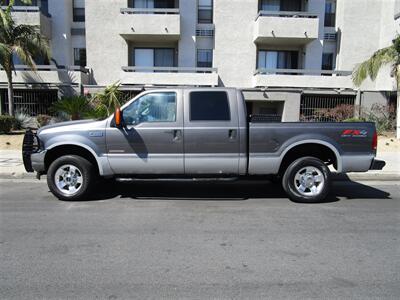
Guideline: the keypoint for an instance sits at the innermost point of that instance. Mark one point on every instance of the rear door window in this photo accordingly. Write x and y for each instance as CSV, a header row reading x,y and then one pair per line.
x,y
209,106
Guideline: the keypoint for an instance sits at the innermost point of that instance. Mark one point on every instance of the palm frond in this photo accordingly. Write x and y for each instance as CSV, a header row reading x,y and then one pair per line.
x,y
370,68
25,56
109,99
6,24
5,54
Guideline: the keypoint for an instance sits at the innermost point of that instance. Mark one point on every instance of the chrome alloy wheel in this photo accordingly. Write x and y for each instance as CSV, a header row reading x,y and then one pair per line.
x,y
68,179
309,181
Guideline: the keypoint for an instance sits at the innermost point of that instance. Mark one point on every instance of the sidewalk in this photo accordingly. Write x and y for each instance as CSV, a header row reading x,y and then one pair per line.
x,y
11,166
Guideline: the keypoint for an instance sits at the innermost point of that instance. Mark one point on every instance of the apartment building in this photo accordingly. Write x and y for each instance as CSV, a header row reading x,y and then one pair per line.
x,y
290,57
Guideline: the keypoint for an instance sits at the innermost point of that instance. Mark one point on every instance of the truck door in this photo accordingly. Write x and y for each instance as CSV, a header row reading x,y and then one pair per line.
x,y
152,140
211,136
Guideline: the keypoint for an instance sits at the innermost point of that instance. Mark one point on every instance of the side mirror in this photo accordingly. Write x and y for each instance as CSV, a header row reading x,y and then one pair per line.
x,y
118,118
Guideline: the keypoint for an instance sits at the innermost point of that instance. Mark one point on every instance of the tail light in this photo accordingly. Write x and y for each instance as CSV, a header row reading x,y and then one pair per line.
x,y
375,141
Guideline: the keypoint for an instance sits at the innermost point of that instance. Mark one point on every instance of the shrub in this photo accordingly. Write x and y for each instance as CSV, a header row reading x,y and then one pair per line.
x,y
77,107
337,114
43,120
24,121
384,117
355,119
6,123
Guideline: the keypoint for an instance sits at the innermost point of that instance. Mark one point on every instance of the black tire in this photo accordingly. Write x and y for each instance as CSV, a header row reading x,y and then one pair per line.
x,y
293,188
85,169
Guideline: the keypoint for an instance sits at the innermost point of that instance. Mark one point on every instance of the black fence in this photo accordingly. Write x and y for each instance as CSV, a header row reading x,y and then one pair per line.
x,y
31,102
326,108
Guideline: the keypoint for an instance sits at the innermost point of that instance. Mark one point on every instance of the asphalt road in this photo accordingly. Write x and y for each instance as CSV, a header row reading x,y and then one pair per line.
x,y
199,240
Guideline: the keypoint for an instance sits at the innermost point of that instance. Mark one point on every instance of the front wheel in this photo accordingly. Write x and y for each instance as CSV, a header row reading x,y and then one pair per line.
x,y
70,177
307,180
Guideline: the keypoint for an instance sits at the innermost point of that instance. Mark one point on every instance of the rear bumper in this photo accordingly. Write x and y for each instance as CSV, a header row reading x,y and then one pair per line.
x,y
377,164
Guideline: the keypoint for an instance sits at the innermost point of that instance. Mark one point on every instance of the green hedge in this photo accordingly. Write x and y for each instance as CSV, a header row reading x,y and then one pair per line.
x,y
6,123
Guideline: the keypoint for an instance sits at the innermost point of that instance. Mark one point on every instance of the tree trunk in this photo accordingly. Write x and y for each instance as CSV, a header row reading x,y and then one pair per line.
x,y
398,115
397,75
10,94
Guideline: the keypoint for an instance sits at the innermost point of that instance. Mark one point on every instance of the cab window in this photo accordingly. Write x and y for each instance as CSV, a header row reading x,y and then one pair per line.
x,y
153,107
209,106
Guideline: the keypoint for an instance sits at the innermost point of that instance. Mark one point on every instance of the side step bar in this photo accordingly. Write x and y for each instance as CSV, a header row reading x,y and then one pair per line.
x,y
129,179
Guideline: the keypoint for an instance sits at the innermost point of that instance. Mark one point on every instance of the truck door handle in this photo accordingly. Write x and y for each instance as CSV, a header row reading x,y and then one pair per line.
x,y
176,133
232,134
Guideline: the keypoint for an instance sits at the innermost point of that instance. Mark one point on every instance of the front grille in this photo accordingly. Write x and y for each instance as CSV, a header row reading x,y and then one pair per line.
x,y
30,145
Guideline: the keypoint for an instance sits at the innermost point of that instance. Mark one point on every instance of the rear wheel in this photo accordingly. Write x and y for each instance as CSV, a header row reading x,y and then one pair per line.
x,y
307,180
70,177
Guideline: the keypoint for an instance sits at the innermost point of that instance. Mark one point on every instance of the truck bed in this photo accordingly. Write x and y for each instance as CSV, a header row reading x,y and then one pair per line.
x,y
351,142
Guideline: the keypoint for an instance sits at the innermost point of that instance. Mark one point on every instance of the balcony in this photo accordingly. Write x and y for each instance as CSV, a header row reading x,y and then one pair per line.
x,y
149,24
31,15
301,78
47,74
286,27
169,76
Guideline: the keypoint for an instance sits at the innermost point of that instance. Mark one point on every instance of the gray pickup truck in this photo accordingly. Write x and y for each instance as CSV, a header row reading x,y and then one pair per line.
x,y
197,133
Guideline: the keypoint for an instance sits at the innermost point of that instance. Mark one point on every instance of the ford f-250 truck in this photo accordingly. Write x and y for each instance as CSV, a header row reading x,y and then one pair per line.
x,y
197,133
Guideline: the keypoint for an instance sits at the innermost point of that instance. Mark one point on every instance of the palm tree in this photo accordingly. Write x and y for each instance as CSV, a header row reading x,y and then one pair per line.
x,y
371,67
108,100
76,107
24,41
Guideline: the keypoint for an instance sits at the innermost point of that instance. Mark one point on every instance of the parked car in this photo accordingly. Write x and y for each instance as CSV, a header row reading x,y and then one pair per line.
x,y
197,133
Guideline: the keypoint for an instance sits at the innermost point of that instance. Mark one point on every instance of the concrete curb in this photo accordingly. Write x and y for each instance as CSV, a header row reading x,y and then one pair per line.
x,y
366,177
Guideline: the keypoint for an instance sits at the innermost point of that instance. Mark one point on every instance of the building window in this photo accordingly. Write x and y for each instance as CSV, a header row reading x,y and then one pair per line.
x,y
277,59
151,3
80,57
330,13
209,106
327,61
154,57
204,58
280,5
78,12
205,12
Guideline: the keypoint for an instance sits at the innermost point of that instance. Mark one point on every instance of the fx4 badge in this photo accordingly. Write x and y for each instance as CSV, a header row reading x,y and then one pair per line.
x,y
354,133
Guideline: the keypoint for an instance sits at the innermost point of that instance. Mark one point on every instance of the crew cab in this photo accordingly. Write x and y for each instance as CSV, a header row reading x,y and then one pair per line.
x,y
197,133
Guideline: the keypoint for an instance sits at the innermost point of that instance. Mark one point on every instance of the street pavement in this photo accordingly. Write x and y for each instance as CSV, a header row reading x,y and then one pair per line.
x,y
198,240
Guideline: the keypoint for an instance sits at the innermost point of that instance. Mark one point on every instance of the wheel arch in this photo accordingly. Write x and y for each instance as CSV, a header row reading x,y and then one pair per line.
x,y
61,149
316,148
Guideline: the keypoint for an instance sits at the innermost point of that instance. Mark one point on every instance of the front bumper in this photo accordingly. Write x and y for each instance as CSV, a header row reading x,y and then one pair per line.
x,y
377,164
32,155
37,160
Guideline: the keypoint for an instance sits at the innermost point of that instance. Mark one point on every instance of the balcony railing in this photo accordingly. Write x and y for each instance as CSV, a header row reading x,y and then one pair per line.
x,y
169,69
263,71
302,78
27,9
152,11
50,68
167,76
286,14
48,74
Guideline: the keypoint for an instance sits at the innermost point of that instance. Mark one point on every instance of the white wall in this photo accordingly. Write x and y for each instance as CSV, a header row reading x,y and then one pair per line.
x,y
61,21
313,50
106,50
187,43
235,51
